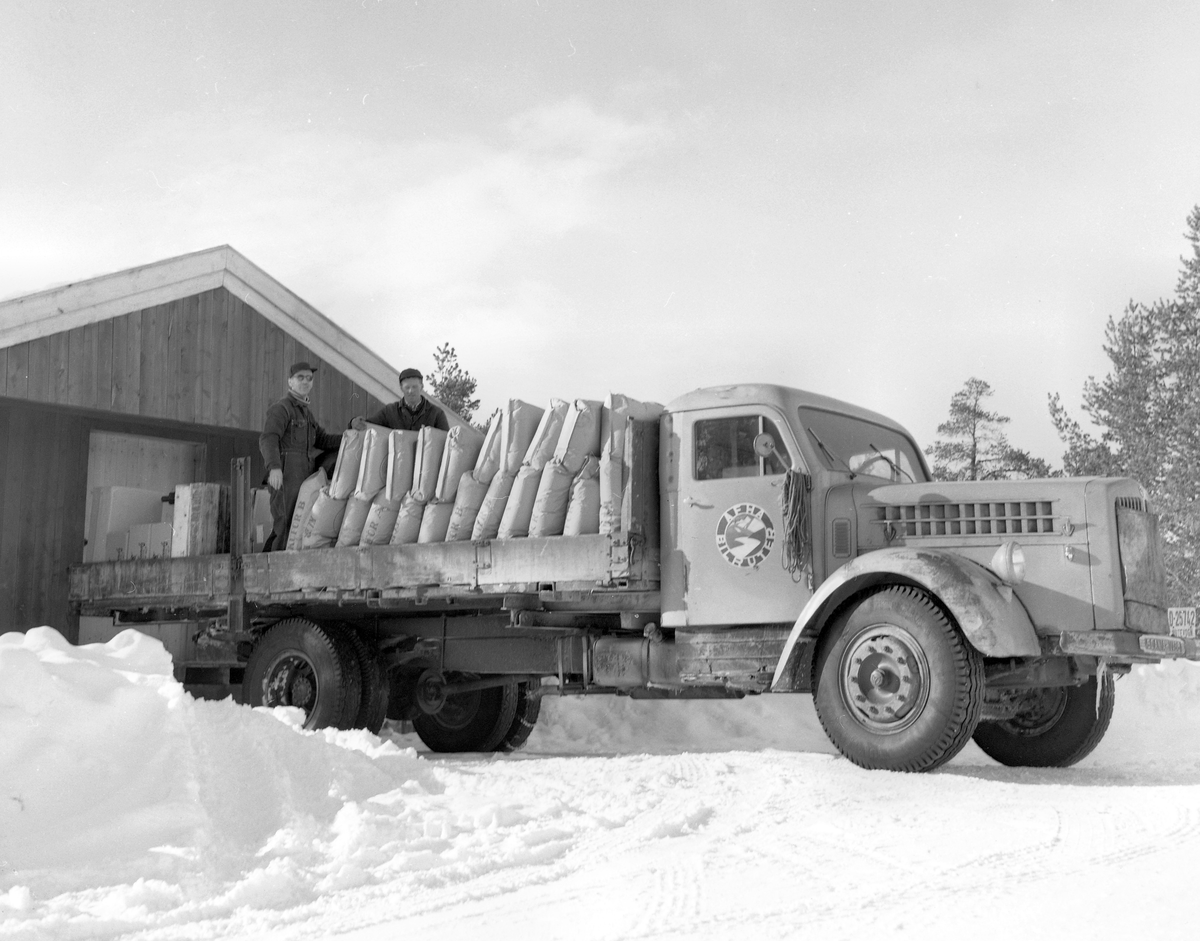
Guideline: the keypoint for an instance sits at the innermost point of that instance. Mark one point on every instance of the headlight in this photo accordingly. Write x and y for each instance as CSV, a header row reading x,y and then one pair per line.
x,y
1009,563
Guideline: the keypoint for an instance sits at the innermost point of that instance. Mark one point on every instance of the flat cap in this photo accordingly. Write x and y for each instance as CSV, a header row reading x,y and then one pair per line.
x,y
300,367
411,373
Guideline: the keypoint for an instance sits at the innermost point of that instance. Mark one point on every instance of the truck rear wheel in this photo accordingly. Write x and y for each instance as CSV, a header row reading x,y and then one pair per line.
x,y
529,706
474,721
1056,726
376,689
302,664
896,685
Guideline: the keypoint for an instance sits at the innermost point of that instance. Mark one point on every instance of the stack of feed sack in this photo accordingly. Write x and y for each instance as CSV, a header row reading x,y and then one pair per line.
x,y
519,508
579,440
372,475
619,411
473,485
398,480
325,518
583,509
463,445
431,442
517,429
304,504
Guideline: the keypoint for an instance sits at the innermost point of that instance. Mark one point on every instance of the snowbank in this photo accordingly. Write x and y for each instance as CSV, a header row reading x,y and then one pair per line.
x,y
128,807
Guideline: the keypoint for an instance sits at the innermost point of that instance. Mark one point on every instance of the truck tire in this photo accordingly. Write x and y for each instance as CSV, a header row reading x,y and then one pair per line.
x,y
475,721
1058,726
376,690
306,665
895,684
529,705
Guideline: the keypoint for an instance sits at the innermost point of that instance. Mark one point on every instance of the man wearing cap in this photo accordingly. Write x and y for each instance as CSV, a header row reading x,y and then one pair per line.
x,y
412,412
291,444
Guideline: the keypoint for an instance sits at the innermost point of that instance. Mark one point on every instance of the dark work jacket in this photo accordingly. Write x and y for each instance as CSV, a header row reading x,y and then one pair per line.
x,y
399,415
290,429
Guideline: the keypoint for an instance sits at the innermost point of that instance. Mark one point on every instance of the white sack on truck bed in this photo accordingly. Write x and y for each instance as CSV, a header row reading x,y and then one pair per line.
x,y
380,520
619,411
550,506
435,521
373,466
401,466
355,518
324,521
467,503
488,461
518,427
519,508
408,521
491,511
304,503
580,437
463,444
345,471
583,509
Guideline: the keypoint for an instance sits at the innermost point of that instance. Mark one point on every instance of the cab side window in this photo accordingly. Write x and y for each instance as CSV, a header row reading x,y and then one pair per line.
x,y
724,448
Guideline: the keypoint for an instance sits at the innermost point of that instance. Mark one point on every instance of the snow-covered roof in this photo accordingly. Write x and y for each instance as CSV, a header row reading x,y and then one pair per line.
x,y
112,295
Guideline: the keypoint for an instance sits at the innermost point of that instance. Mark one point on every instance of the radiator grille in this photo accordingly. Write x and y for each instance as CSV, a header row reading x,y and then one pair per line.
x,y
967,519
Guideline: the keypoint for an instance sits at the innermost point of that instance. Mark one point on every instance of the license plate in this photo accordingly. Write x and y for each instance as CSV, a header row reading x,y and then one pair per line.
x,y
1163,646
1181,622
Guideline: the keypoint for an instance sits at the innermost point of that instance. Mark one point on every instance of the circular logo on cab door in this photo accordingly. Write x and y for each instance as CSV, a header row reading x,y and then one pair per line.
x,y
745,535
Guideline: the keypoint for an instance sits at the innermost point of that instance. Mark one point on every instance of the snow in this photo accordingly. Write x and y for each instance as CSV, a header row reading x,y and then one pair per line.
x,y
130,810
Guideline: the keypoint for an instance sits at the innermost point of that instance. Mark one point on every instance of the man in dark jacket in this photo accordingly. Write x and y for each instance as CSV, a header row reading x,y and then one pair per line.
x,y
412,413
291,444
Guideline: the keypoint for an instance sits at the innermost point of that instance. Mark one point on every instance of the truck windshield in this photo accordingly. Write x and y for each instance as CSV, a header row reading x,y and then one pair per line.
x,y
863,446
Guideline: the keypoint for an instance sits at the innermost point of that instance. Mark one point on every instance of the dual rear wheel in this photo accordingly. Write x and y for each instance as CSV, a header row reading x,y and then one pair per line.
x,y
334,675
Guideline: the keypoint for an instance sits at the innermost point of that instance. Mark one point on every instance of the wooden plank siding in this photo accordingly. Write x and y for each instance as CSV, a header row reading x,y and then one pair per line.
x,y
209,359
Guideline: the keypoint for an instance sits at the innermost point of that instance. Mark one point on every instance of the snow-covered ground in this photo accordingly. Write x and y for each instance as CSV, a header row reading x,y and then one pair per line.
x,y
130,810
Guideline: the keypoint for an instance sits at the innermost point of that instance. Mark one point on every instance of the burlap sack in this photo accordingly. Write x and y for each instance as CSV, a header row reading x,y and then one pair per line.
x,y
401,467
550,506
304,502
324,521
353,521
471,493
381,521
435,521
583,509
580,437
619,411
408,520
491,511
463,445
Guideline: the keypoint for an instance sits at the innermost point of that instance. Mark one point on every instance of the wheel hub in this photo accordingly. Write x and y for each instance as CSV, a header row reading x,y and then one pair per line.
x,y
884,678
290,681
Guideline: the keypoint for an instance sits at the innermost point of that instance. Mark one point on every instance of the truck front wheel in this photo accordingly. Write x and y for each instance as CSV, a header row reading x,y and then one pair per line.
x,y
478,720
895,685
1054,728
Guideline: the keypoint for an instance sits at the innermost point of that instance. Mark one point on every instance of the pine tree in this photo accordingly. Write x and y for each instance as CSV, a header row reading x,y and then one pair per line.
x,y
1148,411
452,384
976,448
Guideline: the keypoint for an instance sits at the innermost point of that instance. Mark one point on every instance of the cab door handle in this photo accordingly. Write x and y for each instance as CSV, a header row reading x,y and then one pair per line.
x,y
692,501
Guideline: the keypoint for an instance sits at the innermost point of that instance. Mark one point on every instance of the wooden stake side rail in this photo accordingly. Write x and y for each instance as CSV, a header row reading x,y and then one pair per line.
x,y
458,568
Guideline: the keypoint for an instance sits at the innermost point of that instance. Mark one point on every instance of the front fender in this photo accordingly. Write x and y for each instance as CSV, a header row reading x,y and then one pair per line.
x,y
990,616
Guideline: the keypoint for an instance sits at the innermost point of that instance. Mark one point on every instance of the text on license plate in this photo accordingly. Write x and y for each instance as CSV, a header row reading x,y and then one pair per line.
x,y
1181,622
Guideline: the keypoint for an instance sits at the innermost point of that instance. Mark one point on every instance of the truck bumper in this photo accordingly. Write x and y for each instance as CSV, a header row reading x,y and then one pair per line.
x,y
1121,645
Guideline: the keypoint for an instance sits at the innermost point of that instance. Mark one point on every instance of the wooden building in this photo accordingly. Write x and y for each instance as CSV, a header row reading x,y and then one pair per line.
x,y
146,378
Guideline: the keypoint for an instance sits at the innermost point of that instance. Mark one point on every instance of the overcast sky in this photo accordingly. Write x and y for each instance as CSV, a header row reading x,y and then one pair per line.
x,y
873,201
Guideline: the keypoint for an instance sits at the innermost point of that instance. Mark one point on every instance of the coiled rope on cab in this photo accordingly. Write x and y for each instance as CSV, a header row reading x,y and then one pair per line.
x,y
797,526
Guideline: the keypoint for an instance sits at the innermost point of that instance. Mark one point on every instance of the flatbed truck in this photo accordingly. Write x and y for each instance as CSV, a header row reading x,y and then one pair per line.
x,y
771,541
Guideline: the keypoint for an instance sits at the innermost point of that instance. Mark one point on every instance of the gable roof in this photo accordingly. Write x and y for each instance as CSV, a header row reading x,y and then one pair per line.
x,y
112,295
